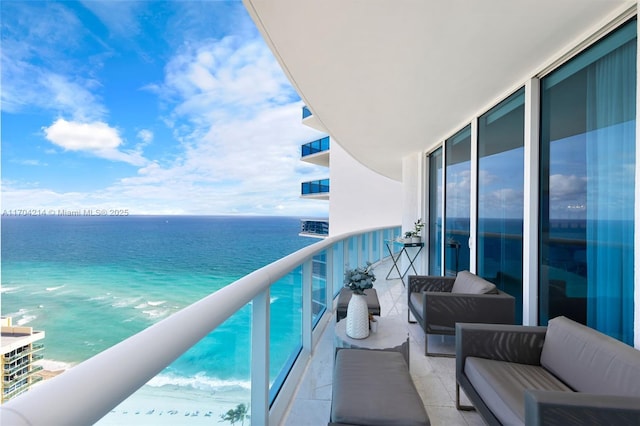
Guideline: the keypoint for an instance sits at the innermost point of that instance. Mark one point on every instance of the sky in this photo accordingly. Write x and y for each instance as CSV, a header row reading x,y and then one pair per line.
x,y
159,107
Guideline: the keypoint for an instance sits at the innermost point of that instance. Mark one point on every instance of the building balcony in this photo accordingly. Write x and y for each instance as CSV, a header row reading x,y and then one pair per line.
x,y
318,228
35,347
316,152
311,120
318,189
434,377
14,376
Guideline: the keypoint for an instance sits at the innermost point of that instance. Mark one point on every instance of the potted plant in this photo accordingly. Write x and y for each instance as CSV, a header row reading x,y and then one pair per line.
x,y
417,228
414,235
358,280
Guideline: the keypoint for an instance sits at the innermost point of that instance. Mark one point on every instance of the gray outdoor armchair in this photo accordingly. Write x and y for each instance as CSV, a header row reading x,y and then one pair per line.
x,y
438,303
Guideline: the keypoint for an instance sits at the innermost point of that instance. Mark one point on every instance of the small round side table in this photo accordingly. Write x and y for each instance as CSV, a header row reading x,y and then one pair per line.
x,y
392,335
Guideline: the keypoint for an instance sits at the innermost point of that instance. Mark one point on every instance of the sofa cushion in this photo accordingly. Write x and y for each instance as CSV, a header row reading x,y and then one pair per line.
x,y
372,387
590,361
502,385
469,283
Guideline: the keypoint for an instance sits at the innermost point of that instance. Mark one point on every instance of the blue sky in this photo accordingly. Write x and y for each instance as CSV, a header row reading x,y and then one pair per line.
x,y
161,107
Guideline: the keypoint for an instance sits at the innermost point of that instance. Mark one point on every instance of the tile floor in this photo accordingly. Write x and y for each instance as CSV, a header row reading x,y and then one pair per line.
x,y
434,377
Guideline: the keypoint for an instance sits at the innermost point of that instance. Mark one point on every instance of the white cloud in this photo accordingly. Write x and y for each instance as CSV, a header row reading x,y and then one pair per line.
x,y
567,187
120,17
36,72
235,119
145,136
30,162
95,138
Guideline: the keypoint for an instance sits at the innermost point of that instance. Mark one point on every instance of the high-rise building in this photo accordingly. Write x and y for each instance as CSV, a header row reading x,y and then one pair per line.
x,y
19,352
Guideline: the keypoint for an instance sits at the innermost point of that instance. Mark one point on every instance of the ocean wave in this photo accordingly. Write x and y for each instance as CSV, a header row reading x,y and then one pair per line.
x,y
125,303
8,289
156,313
200,382
94,298
26,319
55,288
158,303
53,365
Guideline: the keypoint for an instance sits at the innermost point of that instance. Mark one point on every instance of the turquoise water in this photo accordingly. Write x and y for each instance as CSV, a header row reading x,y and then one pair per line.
x,y
90,282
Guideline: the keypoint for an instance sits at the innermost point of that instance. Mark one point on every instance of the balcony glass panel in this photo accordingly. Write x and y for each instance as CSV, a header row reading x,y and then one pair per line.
x,y
353,261
315,187
319,286
375,246
457,202
364,248
501,196
225,351
587,160
286,328
316,146
338,267
435,212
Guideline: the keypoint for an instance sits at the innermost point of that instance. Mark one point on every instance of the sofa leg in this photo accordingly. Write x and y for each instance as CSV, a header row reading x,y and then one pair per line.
x,y
458,405
434,354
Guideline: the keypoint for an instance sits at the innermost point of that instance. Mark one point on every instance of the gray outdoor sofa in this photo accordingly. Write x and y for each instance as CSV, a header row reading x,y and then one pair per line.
x,y
563,374
438,303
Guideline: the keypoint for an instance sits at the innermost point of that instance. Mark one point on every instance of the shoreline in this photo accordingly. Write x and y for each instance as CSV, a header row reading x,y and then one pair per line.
x,y
165,405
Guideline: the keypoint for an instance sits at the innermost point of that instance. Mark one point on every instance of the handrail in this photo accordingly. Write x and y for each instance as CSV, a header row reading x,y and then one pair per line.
x,y
92,384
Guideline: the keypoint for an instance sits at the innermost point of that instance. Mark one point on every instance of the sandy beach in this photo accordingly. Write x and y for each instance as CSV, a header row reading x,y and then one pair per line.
x,y
168,405
171,405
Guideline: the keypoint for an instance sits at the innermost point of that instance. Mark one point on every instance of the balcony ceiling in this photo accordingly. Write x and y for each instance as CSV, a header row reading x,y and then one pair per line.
x,y
390,78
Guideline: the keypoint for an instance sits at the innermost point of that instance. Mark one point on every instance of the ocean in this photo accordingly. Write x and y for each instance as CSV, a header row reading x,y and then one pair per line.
x,y
90,282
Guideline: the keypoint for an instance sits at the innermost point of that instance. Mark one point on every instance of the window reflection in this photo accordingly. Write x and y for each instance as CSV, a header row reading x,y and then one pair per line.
x,y
587,187
435,212
457,201
501,196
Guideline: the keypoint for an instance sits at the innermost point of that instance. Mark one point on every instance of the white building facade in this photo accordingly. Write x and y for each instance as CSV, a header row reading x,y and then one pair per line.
x,y
511,128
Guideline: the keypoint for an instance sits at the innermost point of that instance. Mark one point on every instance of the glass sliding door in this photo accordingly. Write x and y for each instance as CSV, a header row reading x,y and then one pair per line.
x,y
435,212
457,201
501,196
587,160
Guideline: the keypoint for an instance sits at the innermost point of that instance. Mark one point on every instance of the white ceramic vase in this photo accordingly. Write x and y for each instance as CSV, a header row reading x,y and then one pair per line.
x,y
357,317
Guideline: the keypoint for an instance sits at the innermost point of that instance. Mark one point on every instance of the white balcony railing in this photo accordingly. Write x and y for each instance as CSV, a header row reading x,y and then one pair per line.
x,y
93,386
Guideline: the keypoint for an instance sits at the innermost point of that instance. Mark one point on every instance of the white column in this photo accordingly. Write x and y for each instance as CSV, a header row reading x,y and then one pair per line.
x,y
636,287
531,202
260,358
473,200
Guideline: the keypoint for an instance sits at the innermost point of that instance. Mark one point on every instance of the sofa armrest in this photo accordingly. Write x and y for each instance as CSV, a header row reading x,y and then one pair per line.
x,y
446,309
420,283
512,343
577,408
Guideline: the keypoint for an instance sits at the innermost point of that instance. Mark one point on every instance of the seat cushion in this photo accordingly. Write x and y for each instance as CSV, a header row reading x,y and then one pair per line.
x,y
502,384
372,387
469,283
590,361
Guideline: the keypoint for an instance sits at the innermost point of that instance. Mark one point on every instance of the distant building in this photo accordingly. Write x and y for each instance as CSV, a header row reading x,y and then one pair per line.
x,y
316,152
19,352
